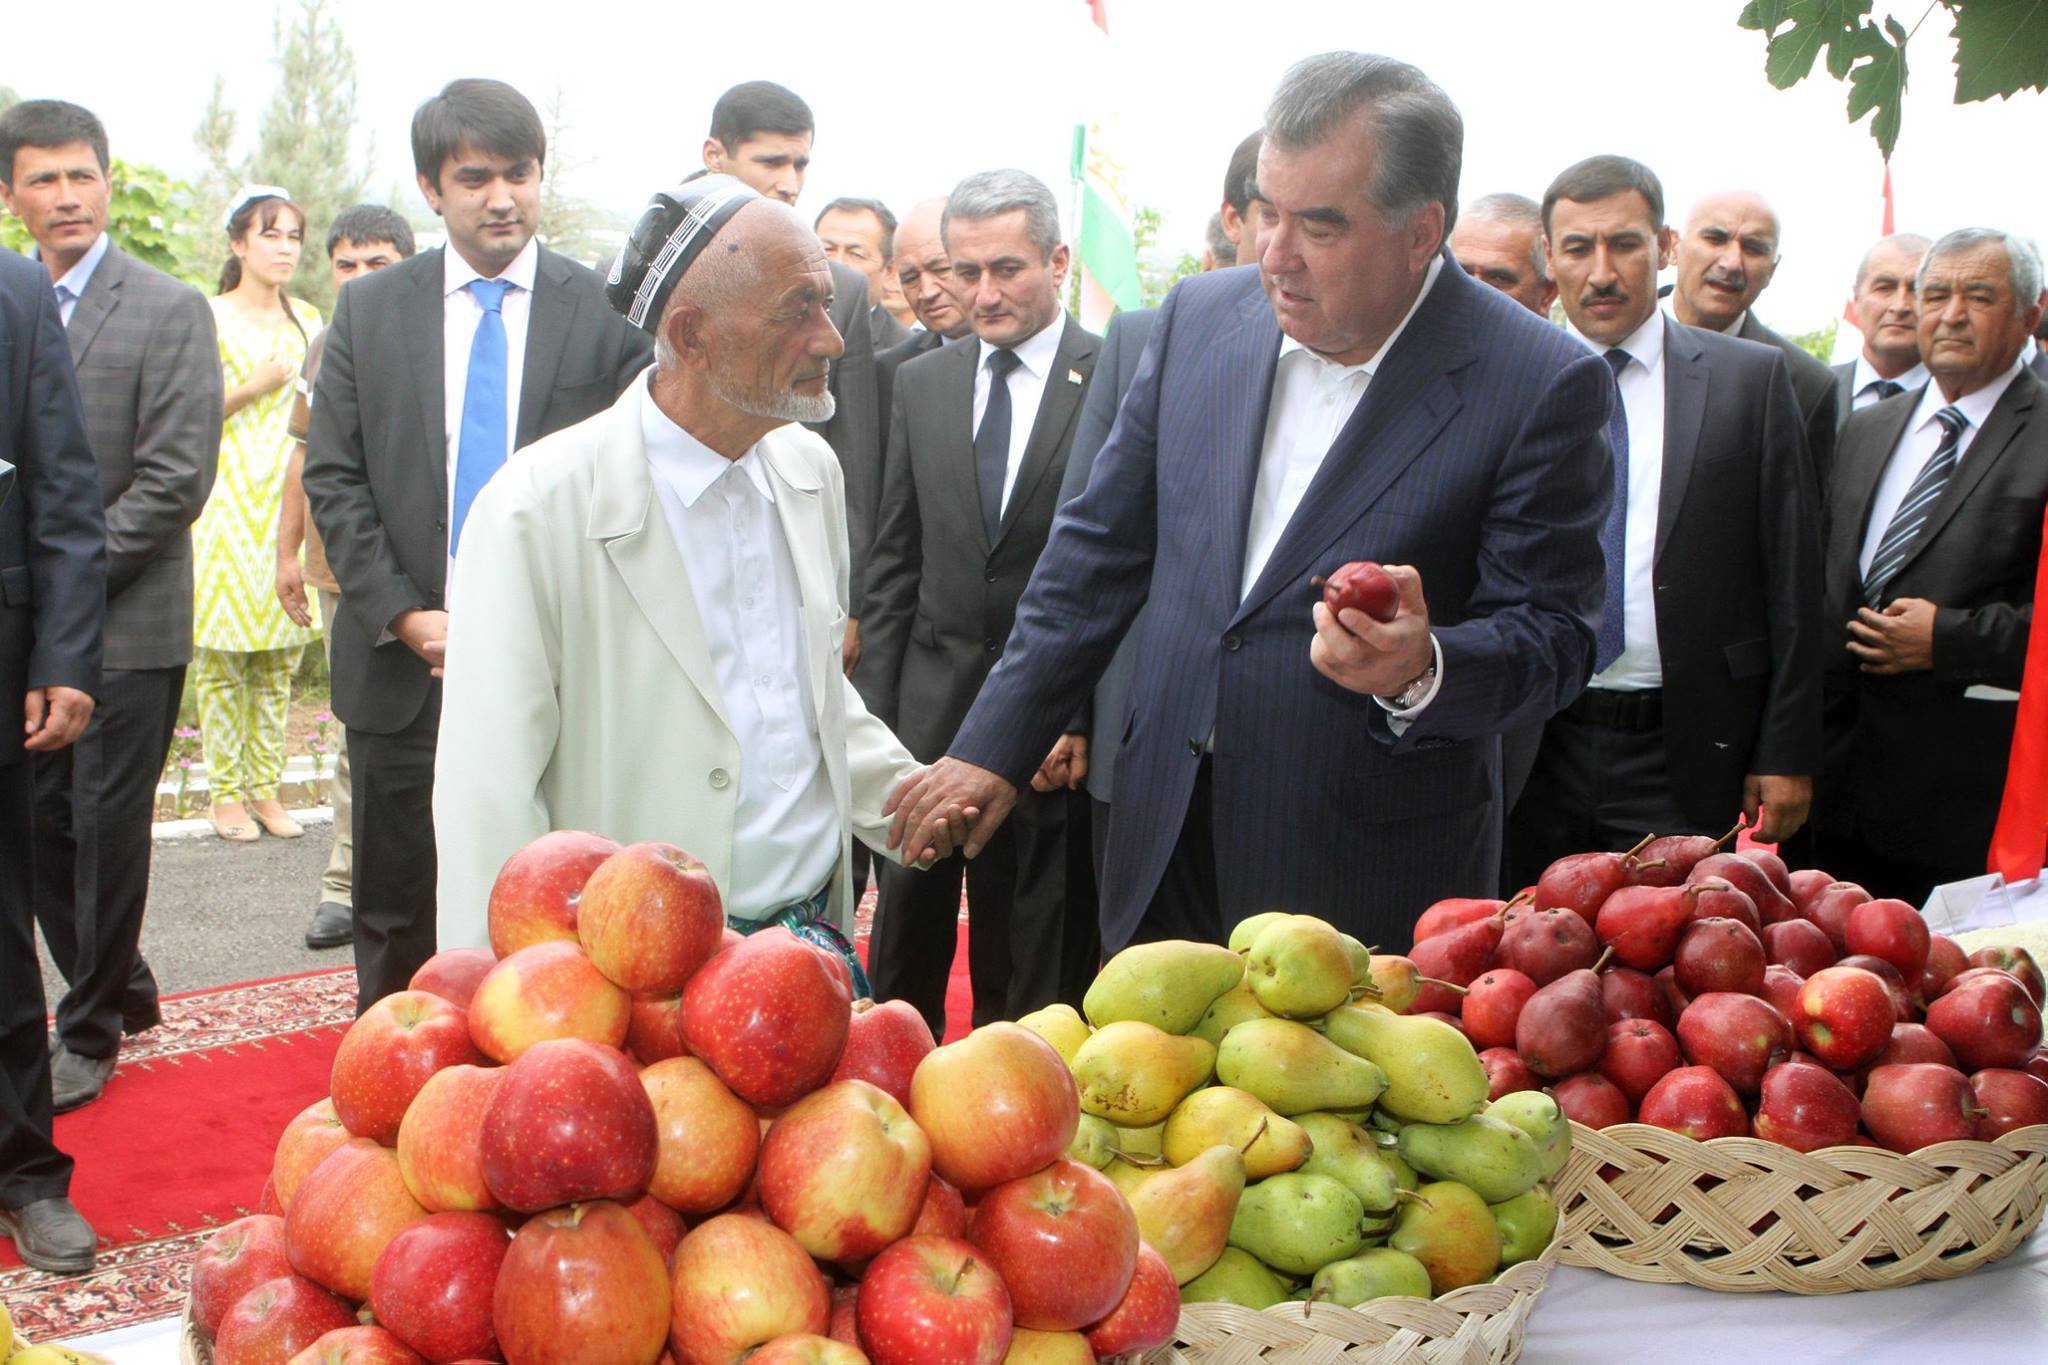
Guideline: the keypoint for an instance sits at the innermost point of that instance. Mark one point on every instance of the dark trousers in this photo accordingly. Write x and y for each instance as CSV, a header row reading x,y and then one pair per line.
x,y
1595,787
95,803
31,1167
395,868
1187,903
1032,918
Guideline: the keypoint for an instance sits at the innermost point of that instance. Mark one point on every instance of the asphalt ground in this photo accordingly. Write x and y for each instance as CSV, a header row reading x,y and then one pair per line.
x,y
220,913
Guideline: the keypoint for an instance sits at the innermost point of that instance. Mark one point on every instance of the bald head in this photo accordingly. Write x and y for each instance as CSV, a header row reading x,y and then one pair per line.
x,y
926,272
1726,257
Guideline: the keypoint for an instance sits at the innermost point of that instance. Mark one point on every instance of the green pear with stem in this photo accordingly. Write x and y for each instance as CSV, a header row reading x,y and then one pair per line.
x,y
1299,1223
1185,1212
1378,1273
1221,1113
1294,1069
1300,967
1167,984
1433,1075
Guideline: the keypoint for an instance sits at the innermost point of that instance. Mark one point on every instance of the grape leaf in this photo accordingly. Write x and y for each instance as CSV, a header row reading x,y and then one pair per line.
x,y
2001,47
1799,30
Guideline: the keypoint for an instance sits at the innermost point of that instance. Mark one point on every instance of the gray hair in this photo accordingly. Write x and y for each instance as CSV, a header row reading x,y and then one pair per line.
x,y
1515,210
990,194
1912,243
1419,132
2022,257
1221,249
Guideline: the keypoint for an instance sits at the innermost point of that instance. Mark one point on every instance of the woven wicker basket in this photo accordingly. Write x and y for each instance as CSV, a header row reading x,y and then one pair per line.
x,y
1482,1324
1743,1215
193,1347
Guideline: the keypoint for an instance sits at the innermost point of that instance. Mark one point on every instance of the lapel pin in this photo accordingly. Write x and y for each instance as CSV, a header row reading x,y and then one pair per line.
x,y
1074,377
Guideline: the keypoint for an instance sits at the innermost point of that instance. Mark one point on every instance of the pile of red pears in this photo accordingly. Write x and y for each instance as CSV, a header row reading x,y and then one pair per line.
x,y
1718,994
625,1133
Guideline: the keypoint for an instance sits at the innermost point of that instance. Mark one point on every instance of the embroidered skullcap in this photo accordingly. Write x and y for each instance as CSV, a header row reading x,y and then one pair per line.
x,y
672,232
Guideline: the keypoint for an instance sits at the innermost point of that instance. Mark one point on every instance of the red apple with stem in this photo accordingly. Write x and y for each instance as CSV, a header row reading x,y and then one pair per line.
x,y
740,1282
538,994
1988,1021
569,1122
1917,1104
1064,1241
581,1283
844,1171
929,1299
650,916
276,1320
234,1260
706,1138
538,889
1493,1003
1361,586
1739,1036
2011,1099
1845,1016
1806,1107
388,1053
768,1016
454,975
1640,1052
433,1284
345,1214
997,1104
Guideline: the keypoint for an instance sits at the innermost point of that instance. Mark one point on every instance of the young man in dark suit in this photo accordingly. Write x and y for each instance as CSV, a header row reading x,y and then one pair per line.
x,y
436,370
53,583
978,439
1705,700
149,370
1933,545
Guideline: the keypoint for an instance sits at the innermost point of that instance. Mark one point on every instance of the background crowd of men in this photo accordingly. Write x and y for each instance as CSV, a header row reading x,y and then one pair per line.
x,y
1660,567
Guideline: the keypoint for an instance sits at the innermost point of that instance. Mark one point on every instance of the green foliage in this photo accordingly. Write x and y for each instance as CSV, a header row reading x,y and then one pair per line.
x,y
2001,49
148,216
8,98
1819,343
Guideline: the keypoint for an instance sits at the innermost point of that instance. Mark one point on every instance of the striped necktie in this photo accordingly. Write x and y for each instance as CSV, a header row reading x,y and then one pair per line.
x,y
1912,514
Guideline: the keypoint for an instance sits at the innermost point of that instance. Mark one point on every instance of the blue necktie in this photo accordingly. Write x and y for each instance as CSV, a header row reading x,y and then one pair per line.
x,y
1614,532
481,446
1905,524
992,440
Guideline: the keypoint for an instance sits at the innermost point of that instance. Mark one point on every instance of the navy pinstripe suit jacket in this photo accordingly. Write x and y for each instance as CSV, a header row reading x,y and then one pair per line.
x,y
1477,455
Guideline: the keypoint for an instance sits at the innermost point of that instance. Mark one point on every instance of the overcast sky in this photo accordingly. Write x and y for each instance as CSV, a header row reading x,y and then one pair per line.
x,y
912,94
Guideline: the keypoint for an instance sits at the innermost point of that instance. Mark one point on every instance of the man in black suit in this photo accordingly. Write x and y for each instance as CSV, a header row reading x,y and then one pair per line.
x,y
978,439
761,134
435,371
149,371
1726,258
861,234
1933,546
1357,396
53,584
1889,320
1705,701
926,274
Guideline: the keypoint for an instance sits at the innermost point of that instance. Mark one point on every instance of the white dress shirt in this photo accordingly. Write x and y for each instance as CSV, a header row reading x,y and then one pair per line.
x,y
460,314
71,287
1640,665
1862,379
1917,446
1027,381
722,515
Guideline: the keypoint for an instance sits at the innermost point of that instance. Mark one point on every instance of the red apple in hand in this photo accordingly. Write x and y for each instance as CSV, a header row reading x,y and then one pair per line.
x,y
233,1261
1892,930
434,1282
929,1299
844,1171
539,888
740,1282
454,975
2011,1099
1148,1313
884,1044
569,1122
363,1344
542,993
1640,1052
345,1214
1918,1104
388,1054
581,1283
998,1104
1361,586
1739,1036
1845,1016
650,917
768,1016
276,1320
1695,1101
1988,1021
1064,1241
1806,1108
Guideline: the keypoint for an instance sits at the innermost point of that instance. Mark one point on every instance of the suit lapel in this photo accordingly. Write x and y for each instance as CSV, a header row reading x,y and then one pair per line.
x,y
799,506
2001,432
1686,381
627,520
1057,404
548,325
1407,402
1253,351
102,295
1860,481
956,423
424,329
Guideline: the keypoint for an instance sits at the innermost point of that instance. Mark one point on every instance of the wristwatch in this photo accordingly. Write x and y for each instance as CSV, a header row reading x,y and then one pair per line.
x,y
1415,691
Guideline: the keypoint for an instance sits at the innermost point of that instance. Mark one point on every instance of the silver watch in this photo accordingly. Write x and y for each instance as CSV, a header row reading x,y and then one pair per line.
x,y
1414,692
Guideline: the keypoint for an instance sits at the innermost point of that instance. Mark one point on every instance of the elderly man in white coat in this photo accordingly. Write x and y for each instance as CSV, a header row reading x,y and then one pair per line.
x,y
652,601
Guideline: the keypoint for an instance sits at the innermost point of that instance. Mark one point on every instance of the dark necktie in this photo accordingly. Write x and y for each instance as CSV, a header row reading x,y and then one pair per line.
x,y
481,447
1614,532
1912,514
992,440
1884,388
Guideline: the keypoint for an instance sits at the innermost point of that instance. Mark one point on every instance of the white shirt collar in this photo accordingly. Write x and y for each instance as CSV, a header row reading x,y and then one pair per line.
x,y
456,273
1975,405
1865,375
1036,351
1734,329
1645,345
74,280
1288,345
686,464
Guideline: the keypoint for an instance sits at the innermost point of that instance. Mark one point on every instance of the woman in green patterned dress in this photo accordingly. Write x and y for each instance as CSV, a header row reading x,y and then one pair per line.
x,y
245,647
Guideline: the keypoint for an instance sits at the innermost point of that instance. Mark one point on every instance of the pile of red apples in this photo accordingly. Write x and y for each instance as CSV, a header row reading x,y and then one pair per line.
x,y
1718,994
625,1134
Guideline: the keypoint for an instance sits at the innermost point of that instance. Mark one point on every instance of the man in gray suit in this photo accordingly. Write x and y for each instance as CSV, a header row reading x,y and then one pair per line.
x,y
149,370
978,440
400,446
1726,258
1888,316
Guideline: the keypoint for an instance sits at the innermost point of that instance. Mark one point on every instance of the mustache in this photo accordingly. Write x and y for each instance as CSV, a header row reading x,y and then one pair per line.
x,y
1595,293
1726,279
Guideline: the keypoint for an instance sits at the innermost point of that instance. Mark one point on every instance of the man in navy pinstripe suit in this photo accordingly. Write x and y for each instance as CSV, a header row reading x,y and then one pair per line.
x,y
1354,396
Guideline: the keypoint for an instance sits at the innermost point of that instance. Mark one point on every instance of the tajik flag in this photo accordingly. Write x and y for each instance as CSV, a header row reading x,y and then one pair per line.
x,y
1102,214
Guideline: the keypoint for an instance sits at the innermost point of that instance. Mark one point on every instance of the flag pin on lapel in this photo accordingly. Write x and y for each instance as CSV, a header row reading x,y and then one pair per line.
x,y
1074,377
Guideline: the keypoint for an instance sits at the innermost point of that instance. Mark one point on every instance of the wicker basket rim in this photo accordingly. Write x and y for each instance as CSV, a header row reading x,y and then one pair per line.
x,y
1522,1277
2032,1138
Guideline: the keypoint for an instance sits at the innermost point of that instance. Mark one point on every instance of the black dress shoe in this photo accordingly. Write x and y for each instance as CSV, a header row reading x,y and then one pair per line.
x,y
76,1081
50,1235
334,926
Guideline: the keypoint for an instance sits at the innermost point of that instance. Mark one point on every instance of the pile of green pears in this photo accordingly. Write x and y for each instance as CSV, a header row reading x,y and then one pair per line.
x,y
1283,1133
